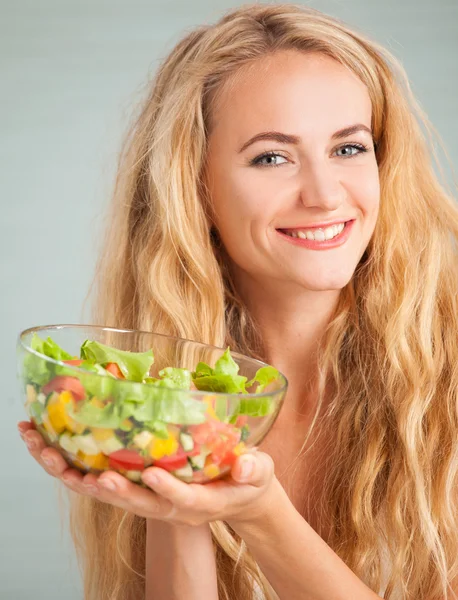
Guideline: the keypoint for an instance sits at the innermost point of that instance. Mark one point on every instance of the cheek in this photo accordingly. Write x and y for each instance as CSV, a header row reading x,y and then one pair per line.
x,y
365,192
238,204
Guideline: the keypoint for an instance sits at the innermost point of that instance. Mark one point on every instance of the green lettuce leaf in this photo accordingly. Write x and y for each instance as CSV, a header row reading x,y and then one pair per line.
x,y
222,378
53,350
202,370
134,366
38,370
263,377
92,416
225,365
226,384
181,378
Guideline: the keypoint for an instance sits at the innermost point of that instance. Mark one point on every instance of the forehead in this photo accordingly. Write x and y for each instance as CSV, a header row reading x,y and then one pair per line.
x,y
293,92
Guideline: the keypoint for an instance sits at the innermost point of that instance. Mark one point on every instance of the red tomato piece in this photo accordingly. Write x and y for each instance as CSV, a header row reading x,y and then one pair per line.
x,y
62,383
115,370
126,459
229,459
200,433
172,463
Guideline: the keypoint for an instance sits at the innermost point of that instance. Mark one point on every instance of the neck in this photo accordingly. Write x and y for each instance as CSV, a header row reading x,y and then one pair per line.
x,y
291,321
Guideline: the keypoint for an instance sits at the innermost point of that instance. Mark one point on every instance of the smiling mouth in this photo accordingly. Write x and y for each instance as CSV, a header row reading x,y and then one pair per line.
x,y
319,237
319,234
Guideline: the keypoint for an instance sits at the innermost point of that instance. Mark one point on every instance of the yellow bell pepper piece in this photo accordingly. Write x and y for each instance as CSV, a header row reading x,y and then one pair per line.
x,y
210,410
101,434
96,461
48,427
97,403
58,416
159,448
211,471
239,449
127,425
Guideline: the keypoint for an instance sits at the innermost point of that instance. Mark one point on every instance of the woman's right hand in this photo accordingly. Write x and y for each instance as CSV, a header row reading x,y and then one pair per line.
x,y
187,552
51,461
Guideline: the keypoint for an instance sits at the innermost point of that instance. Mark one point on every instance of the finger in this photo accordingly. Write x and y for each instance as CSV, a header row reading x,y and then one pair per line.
x,y
179,493
118,490
51,461
24,427
73,480
255,468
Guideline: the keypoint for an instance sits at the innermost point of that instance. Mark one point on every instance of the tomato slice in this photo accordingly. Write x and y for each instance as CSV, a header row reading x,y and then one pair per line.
x,y
126,459
114,369
62,383
74,361
171,463
228,459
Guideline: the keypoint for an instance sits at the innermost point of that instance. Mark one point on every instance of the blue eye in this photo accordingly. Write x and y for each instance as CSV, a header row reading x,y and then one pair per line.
x,y
269,159
358,149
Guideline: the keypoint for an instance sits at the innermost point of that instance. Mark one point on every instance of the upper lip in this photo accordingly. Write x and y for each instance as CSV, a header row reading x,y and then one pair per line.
x,y
321,225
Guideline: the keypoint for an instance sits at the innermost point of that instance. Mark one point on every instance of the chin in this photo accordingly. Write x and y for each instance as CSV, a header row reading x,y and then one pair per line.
x,y
323,283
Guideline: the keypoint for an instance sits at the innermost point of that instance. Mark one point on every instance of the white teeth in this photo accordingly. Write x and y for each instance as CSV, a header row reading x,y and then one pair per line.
x,y
319,235
329,233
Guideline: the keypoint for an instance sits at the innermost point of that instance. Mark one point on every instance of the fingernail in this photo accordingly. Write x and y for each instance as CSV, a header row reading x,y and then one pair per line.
x,y
108,484
31,445
92,489
49,462
247,468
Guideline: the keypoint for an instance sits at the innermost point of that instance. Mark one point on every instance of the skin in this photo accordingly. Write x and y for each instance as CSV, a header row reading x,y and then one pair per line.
x,y
290,290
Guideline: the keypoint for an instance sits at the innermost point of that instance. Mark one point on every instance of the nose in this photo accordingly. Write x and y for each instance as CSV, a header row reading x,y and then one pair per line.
x,y
320,187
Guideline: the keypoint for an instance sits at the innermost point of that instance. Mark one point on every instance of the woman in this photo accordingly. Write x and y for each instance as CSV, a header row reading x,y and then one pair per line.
x,y
276,194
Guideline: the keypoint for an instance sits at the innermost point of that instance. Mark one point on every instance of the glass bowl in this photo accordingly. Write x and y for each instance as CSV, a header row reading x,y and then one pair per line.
x,y
125,400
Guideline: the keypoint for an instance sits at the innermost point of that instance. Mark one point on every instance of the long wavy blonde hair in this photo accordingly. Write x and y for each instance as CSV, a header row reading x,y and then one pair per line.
x,y
390,351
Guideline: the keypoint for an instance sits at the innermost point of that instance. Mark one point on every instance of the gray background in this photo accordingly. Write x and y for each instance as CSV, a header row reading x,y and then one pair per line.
x,y
70,73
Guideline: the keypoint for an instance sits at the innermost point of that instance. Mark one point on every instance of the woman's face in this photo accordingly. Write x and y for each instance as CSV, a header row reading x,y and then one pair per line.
x,y
285,178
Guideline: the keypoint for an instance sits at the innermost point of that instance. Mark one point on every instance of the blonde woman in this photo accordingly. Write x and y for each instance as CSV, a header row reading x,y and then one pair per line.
x,y
276,193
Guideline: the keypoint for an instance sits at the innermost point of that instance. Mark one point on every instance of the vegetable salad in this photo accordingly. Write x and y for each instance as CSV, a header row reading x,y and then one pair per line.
x,y
100,423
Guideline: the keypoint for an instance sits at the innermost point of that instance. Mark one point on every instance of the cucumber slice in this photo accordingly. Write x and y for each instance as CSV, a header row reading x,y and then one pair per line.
x,y
198,462
184,471
143,439
67,443
110,445
134,476
187,442
87,444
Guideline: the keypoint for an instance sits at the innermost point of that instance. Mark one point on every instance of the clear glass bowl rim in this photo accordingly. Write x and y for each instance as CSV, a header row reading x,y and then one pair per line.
x,y
195,393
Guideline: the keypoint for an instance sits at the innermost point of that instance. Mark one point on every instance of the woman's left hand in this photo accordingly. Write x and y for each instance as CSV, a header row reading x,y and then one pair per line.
x,y
236,498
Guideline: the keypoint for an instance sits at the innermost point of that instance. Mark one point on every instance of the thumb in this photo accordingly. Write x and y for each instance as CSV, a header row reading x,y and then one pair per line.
x,y
253,467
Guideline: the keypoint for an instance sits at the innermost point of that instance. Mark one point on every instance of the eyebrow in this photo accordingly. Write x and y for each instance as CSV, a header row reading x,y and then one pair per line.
x,y
284,138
